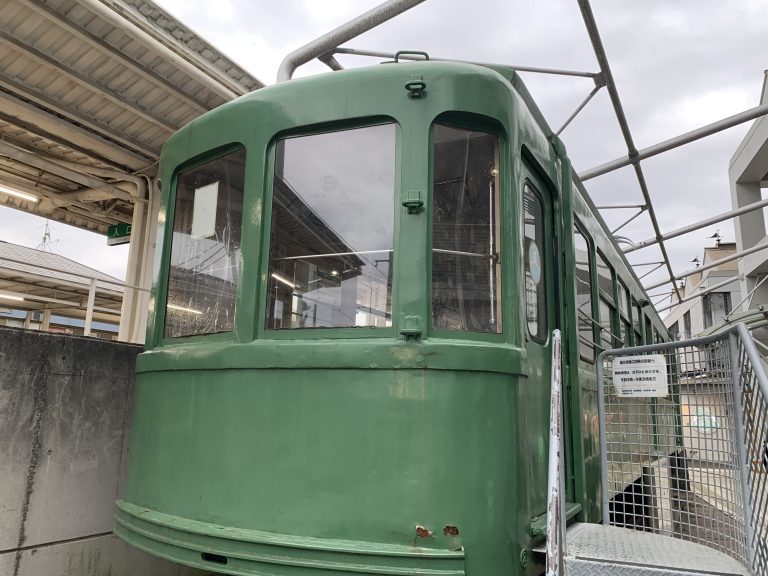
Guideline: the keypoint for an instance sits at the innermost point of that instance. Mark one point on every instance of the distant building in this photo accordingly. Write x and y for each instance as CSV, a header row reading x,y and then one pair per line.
x,y
44,291
698,314
748,173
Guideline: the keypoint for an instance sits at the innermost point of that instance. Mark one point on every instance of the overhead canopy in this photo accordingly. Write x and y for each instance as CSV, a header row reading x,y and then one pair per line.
x,y
89,92
34,280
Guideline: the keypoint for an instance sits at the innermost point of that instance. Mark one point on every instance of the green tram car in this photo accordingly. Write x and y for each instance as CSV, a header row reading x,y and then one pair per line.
x,y
348,360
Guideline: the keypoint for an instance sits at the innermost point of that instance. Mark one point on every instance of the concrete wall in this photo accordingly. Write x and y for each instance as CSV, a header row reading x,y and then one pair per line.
x,y
65,410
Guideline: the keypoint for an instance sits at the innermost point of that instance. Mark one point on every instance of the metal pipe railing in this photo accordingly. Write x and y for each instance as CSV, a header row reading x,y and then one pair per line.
x,y
333,39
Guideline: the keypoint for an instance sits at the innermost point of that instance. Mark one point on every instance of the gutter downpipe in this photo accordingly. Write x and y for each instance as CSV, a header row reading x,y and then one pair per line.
x,y
345,32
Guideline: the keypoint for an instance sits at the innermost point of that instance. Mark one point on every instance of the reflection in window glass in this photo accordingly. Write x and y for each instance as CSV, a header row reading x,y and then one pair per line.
x,y
205,248
626,327
330,253
623,299
533,248
637,320
606,324
604,278
466,279
584,296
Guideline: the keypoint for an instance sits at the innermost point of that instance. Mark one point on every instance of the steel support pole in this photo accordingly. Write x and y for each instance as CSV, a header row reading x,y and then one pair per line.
x,y
89,309
580,107
610,84
676,142
327,42
532,69
711,265
699,225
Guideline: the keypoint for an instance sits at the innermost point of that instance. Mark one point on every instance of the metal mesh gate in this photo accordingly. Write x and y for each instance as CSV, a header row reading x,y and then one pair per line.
x,y
685,444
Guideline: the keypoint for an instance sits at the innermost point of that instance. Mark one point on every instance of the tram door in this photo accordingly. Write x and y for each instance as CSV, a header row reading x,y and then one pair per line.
x,y
539,319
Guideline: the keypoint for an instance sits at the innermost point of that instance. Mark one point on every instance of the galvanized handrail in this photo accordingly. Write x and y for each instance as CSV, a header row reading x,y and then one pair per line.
x,y
336,37
691,459
555,483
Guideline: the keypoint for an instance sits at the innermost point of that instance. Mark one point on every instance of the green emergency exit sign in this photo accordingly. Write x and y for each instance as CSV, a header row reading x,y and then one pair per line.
x,y
118,234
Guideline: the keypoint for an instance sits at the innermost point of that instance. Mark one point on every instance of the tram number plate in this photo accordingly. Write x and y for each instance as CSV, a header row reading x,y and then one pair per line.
x,y
640,376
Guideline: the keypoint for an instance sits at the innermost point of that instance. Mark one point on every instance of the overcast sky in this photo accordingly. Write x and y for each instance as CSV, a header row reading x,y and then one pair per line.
x,y
678,65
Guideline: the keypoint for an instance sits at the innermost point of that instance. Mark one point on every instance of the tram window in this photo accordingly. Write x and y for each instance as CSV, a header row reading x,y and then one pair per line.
x,y
585,321
534,256
466,274
607,306
626,325
637,319
607,313
205,248
332,234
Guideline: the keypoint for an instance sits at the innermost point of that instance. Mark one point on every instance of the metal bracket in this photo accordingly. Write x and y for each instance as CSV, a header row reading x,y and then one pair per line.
x,y
412,201
411,327
416,87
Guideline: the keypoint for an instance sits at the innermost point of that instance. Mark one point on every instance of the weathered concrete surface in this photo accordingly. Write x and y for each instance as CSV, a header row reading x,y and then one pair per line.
x,y
99,556
65,408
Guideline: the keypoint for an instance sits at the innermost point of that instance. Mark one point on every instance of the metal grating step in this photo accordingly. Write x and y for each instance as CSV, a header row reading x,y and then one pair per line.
x,y
594,549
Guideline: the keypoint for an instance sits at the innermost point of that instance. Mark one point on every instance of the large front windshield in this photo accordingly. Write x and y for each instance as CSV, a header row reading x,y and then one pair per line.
x,y
332,234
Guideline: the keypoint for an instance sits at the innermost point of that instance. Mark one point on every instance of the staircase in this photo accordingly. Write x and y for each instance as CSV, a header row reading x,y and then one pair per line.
x,y
684,466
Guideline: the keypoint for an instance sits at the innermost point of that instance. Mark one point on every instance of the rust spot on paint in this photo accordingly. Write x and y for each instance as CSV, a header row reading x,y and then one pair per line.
x,y
422,532
451,531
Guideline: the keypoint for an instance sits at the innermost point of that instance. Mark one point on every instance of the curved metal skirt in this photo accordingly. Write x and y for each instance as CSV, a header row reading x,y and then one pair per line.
x,y
251,552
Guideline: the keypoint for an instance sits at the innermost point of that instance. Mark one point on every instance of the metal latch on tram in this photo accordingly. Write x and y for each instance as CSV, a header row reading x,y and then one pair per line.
x,y
412,201
410,327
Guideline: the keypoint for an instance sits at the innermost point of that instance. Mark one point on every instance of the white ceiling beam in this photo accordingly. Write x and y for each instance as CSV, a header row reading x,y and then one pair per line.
x,y
84,179
89,37
101,89
74,127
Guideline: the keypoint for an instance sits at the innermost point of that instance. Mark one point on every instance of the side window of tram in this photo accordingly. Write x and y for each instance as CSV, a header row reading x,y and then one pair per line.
x,y
607,306
205,248
466,274
584,296
637,320
533,249
626,325
332,233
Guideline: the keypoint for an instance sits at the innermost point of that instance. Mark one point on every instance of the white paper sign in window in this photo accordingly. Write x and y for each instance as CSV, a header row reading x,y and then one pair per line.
x,y
640,376
204,211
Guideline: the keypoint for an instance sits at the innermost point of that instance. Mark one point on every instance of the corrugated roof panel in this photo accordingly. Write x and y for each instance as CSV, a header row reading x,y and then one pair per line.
x,y
100,84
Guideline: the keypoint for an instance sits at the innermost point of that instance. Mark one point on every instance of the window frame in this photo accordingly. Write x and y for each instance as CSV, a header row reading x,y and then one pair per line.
x,y
609,299
325,333
478,123
592,271
528,184
163,279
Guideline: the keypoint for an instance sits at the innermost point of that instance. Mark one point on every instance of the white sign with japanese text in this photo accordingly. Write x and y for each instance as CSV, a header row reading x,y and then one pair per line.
x,y
640,376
